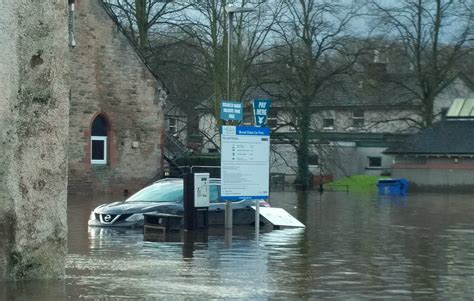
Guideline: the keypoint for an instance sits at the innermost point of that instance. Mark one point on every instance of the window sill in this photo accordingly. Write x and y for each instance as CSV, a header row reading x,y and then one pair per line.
x,y
374,168
99,166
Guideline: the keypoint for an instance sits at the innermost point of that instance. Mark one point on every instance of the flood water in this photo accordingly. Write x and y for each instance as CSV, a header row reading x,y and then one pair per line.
x,y
354,247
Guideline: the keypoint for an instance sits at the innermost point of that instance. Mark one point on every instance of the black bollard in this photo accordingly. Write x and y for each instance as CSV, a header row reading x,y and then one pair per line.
x,y
188,202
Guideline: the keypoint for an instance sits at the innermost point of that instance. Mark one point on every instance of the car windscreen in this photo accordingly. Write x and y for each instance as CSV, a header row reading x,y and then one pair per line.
x,y
159,192
214,193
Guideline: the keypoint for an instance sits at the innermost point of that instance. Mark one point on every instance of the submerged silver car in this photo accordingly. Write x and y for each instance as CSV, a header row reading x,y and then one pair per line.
x,y
165,196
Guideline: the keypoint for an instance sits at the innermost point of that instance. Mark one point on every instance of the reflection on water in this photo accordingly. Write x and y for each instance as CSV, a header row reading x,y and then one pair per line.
x,y
354,247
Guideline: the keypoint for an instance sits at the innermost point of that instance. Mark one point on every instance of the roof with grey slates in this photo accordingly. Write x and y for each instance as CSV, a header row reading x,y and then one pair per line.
x,y
448,137
351,90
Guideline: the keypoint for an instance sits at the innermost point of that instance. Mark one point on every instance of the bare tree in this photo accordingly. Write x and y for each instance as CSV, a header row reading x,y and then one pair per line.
x,y
435,35
193,55
310,50
140,17
205,28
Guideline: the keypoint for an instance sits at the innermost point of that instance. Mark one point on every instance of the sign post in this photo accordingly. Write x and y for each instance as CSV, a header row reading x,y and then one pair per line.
x,y
245,166
230,110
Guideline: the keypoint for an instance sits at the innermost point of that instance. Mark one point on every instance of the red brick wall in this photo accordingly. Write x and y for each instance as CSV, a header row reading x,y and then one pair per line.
x,y
439,164
436,173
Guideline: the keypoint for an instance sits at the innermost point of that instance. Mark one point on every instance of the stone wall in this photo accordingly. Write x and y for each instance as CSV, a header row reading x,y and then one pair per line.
x,y
109,78
34,122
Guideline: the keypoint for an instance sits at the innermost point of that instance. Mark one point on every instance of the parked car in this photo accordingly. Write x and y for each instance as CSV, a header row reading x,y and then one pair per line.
x,y
165,196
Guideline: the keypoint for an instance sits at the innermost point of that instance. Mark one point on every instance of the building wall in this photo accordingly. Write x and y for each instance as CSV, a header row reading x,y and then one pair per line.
x,y
340,159
436,174
109,78
176,124
208,127
33,137
377,119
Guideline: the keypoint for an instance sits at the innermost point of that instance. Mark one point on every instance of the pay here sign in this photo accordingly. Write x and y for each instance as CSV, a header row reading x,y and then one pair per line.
x,y
245,162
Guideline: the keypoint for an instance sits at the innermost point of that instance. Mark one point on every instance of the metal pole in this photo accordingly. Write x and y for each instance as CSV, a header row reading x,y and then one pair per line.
x,y
228,215
229,53
228,204
228,238
257,220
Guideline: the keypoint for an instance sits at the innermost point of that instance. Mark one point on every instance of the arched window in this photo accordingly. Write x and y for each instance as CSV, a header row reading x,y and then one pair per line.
x,y
99,140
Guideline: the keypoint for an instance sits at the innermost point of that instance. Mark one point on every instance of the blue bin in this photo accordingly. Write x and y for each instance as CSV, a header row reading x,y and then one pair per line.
x,y
392,186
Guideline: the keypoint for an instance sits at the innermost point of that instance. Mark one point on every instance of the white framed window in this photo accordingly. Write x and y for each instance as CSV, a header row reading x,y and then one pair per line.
x,y
328,120
374,162
272,119
99,145
99,149
358,118
172,125
328,123
313,159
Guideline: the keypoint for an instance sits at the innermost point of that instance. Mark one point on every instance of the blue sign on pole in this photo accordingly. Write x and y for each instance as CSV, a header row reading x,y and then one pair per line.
x,y
260,109
231,110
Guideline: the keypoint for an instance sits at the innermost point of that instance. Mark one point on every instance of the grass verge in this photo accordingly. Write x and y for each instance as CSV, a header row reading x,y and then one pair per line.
x,y
360,183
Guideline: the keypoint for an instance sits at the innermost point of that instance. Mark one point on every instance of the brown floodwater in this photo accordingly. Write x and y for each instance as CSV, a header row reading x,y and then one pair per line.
x,y
355,247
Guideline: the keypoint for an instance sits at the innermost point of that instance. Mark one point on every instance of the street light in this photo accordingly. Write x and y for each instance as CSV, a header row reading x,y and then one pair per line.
x,y
231,10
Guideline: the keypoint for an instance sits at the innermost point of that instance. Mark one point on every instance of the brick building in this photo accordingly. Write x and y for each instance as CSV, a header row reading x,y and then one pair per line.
x,y
116,115
440,158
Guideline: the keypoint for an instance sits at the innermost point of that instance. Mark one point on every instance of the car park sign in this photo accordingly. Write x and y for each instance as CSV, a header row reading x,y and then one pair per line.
x,y
245,163
260,109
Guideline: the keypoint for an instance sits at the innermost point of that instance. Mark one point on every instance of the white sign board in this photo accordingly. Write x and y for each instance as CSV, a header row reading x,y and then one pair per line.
x,y
201,190
279,217
245,162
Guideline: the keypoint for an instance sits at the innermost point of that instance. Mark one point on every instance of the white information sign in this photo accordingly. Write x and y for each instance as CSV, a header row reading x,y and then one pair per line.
x,y
201,190
245,162
279,217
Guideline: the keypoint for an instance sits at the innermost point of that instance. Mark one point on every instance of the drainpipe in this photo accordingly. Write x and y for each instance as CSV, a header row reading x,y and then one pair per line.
x,y
72,29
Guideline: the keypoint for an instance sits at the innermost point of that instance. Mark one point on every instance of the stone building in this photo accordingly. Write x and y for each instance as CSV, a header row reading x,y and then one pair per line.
x,y
116,115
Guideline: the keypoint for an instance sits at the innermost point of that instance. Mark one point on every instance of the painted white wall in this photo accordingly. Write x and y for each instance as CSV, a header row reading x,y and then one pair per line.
x,y
208,127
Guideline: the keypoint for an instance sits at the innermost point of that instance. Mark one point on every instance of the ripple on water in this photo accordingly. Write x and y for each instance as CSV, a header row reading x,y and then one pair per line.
x,y
353,248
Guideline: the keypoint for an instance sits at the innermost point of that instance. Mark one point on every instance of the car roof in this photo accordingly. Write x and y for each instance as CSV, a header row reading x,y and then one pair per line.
x,y
169,180
211,180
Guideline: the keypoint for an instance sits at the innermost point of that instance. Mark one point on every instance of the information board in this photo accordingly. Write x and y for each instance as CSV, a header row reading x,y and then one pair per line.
x,y
245,162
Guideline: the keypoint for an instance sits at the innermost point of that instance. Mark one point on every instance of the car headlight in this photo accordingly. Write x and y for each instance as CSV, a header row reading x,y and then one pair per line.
x,y
134,217
92,216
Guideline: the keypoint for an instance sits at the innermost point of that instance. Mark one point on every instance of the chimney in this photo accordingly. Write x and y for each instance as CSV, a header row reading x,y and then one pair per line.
x,y
376,70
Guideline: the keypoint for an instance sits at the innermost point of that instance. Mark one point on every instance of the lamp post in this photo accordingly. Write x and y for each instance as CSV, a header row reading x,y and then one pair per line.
x,y
231,10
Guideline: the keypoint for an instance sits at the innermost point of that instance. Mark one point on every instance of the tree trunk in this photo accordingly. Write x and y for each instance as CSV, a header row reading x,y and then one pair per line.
x,y
142,24
428,114
302,151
